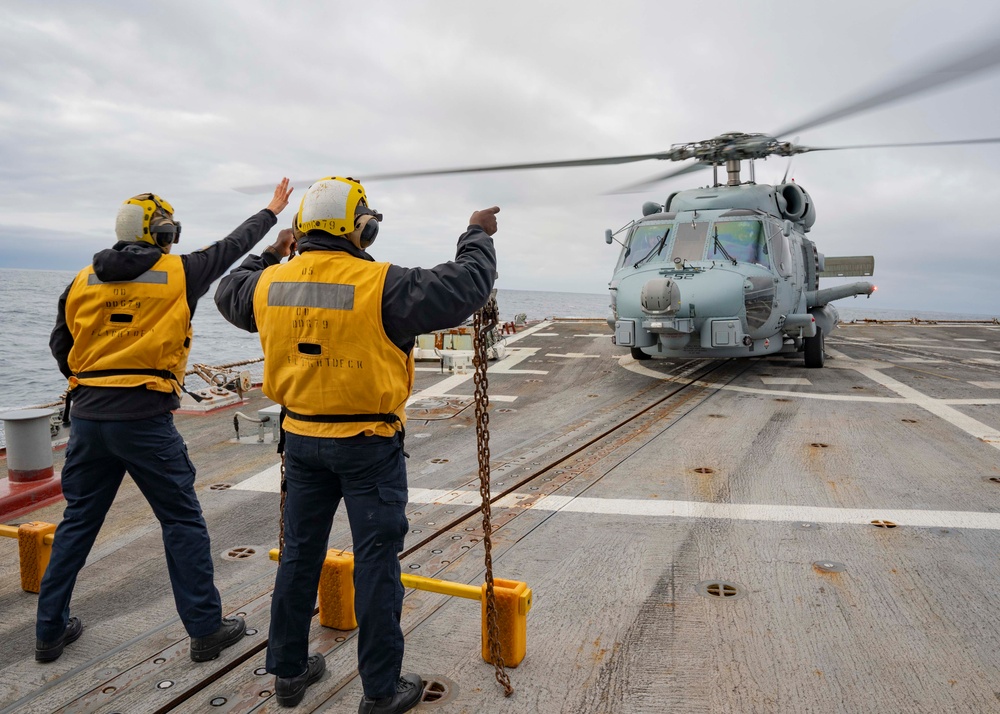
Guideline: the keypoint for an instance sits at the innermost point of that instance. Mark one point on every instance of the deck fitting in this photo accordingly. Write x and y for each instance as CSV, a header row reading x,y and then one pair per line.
x,y
719,590
437,690
806,526
994,479
220,486
703,470
260,671
218,701
819,445
240,553
437,460
909,421
165,684
829,566
717,416
881,523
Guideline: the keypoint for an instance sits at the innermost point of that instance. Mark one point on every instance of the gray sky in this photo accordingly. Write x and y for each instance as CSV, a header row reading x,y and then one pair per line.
x,y
100,101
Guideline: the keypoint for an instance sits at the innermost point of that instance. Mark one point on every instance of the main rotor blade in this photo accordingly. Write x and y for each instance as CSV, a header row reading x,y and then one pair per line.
x,y
269,187
993,140
643,185
979,59
262,188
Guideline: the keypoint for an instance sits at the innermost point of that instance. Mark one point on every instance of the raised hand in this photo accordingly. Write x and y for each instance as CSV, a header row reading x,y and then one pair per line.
x,y
281,194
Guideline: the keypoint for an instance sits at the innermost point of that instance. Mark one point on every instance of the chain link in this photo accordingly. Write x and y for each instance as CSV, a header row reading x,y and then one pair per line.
x,y
484,322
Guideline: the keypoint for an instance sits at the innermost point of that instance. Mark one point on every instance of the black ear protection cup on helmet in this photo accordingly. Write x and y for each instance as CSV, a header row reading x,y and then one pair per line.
x,y
165,233
370,232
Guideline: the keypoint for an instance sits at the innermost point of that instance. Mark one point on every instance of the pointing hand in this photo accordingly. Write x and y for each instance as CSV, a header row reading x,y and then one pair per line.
x,y
486,219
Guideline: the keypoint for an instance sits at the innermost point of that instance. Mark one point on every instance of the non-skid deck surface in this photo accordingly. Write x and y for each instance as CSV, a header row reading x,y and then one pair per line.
x,y
764,479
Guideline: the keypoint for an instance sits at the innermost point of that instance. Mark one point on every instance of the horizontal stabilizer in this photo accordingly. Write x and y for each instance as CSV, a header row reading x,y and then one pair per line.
x,y
848,266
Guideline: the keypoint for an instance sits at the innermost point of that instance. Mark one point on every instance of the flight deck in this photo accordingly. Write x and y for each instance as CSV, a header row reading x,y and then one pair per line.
x,y
698,535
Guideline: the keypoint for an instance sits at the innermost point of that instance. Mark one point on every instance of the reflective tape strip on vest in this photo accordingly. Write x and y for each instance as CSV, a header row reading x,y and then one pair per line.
x,y
325,350
133,333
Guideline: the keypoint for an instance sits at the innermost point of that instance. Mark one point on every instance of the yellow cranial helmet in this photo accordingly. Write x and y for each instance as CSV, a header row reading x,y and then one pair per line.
x,y
147,218
331,205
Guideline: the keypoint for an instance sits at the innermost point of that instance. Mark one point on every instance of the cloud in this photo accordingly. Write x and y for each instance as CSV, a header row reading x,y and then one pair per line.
x,y
191,99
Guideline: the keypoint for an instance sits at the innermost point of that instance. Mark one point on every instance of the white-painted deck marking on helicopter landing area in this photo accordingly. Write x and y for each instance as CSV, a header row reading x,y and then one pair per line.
x,y
546,334
514,356
574,355
269,481
594,334
968,339
986,385
916,360
626,362
937,407
787,381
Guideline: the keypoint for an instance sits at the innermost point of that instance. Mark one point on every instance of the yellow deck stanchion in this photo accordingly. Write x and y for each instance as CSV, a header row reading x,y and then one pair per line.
x,y
34,547
513,599
336,591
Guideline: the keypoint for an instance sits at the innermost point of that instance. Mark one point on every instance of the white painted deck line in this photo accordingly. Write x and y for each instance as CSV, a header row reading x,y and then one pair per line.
x,y
626,362
269,481
936,407
546,334
968,339
595,334
916,360
786,381
573,355
514,356
986,385
728,511
534,329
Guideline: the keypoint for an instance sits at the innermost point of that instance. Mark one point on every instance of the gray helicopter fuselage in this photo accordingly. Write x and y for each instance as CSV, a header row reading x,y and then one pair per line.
x,y
722,272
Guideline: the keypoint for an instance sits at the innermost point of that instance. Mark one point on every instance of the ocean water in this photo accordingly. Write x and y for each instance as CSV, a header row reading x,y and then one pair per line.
x,y
28,301
29,298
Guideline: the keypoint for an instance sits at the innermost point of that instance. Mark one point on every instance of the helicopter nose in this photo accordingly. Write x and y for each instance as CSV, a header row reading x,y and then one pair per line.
x,y
660,296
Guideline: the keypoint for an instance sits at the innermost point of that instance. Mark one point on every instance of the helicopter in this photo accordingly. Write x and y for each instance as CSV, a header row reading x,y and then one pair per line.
x,y
727,270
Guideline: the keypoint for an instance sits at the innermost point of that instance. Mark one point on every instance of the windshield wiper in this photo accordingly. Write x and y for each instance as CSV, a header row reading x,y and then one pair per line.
x,y
718,244
655,249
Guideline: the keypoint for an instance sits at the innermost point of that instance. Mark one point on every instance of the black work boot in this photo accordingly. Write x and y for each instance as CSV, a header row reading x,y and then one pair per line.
x,y
290,690
50,651
229,633
408,691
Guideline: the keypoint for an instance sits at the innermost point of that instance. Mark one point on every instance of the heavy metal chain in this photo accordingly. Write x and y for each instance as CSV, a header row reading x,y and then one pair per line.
x,y
484,321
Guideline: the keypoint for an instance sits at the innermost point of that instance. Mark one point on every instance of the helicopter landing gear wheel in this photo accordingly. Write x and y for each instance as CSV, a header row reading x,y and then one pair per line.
x,y
815,349
638,354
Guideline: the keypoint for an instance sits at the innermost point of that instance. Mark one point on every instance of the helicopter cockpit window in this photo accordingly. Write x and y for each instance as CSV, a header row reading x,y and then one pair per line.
x,y
689,245
644,244
742,241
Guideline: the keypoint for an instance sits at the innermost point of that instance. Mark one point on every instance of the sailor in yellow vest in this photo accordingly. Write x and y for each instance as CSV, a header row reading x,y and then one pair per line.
x,y
122,337
338,331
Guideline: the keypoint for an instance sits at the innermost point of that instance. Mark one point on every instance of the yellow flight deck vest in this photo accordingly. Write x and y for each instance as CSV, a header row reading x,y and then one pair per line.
x,y
133,333
326,353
